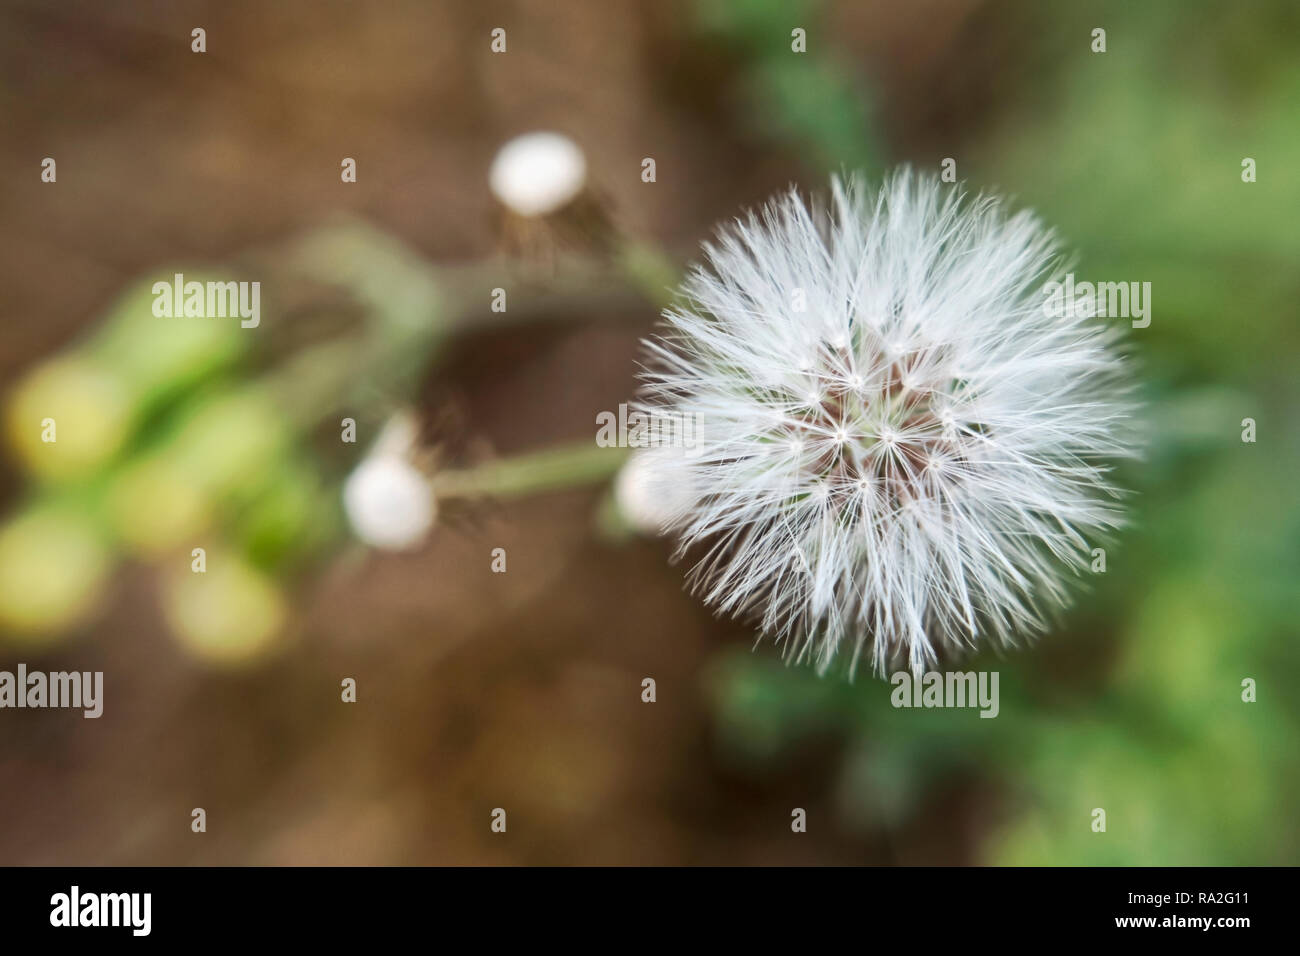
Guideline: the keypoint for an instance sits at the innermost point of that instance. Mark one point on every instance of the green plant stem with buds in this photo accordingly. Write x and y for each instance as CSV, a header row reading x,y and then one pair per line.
x,y
416,307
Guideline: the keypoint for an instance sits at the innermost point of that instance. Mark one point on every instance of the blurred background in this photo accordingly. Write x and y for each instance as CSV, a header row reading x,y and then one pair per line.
x,y
522,690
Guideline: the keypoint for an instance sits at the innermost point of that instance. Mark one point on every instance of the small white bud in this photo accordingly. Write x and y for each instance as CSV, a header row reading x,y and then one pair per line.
x,y
538,173
389,503
653,489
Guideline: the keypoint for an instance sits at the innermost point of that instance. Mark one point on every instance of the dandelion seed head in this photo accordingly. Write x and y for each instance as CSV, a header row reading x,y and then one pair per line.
x,y
914,463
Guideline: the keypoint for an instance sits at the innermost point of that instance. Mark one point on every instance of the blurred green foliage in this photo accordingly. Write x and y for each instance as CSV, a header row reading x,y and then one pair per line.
x,y
175,434
817,103
1134,704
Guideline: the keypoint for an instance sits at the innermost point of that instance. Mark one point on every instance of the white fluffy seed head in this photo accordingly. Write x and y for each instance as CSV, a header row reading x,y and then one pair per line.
x,y
538,173
916,459
389,503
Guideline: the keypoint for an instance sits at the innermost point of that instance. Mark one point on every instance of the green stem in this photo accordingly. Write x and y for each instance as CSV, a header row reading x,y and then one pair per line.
x,y
566,466
648,269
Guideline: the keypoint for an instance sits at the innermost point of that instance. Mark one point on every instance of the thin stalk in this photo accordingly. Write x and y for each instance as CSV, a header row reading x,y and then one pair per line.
x,y
562,467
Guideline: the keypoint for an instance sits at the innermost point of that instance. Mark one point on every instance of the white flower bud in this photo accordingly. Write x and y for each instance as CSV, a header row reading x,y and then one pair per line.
x,y
538,173
389,503
653,489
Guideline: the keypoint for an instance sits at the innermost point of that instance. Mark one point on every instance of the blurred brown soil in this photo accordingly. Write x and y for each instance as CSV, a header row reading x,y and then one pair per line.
x,y
476,690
